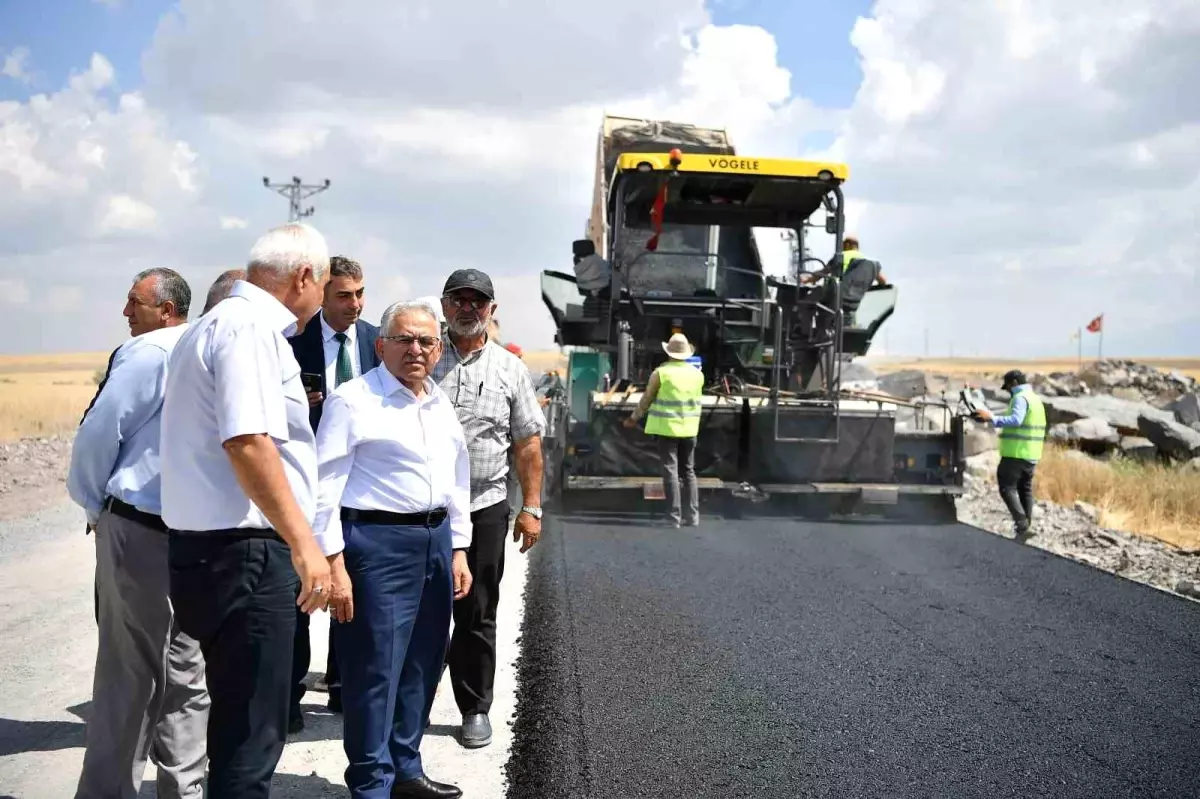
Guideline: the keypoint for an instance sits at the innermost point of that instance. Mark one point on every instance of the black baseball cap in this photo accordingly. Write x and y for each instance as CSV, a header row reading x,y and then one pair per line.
x,y
1013,377
470,279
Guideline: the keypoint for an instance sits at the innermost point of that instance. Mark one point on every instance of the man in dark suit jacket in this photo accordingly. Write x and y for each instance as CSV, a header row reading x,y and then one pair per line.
x,y
334,347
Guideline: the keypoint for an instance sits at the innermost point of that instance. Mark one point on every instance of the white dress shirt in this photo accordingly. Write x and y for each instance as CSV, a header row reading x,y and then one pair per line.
x,y
381,448
332,346
116,447
232,374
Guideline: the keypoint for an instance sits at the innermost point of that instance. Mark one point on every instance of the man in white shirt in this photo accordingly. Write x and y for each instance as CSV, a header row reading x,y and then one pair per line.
x,y
148,694
239,468
394,497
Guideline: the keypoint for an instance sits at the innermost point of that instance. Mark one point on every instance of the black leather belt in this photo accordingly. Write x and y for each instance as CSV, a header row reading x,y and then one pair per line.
x,y
127,511
431,518
230,534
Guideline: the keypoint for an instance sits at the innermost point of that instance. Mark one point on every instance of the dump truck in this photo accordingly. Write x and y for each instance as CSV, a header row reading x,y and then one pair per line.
x,y
671,246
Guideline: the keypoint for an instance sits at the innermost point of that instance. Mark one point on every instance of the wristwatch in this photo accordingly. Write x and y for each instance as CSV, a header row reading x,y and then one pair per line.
x,y
532,511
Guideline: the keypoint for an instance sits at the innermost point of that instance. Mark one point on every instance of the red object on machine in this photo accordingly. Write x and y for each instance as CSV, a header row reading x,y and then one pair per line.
x,y
1096,325
656,217
513,348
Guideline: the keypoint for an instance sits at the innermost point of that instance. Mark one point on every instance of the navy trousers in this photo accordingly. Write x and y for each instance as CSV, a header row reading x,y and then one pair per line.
x,y
390,655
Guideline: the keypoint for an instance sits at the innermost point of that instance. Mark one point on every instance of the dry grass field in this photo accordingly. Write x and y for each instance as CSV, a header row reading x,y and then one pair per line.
x,y
1146,499
41,395
964,368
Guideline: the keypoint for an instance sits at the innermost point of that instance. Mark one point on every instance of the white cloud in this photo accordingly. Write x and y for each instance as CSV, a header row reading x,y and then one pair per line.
x,y
126,213
1027,165
14,291
233,223
15,65
64,299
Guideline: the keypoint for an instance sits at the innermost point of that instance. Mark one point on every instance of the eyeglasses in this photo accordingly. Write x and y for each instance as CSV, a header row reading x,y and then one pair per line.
x,y
427,342
477,304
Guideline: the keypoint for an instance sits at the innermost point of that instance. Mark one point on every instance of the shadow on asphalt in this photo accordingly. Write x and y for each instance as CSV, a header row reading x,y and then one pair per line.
x,y
18,737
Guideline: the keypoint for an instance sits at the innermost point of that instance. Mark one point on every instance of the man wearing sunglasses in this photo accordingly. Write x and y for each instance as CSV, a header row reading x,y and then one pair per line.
x,y
494,397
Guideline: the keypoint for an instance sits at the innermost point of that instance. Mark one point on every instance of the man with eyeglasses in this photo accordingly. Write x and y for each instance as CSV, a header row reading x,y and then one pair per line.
x,y
149,695
393,458
494,396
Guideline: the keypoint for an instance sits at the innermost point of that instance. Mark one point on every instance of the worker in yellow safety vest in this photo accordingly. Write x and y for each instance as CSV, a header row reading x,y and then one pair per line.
x,y
671,405
1022,438
857,275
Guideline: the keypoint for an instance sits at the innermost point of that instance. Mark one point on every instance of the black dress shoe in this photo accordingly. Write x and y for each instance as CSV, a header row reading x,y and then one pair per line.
x,y
424,788
335,700
476,730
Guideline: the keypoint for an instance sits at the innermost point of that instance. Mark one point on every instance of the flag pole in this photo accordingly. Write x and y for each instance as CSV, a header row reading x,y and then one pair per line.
x,y
1079,338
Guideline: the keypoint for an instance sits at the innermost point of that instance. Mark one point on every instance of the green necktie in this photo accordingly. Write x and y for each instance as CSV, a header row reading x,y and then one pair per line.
x,y
344,370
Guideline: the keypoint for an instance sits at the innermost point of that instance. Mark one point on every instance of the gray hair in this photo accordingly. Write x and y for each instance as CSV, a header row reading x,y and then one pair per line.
x,y
403,309
170,287
341,266
282,250
221,287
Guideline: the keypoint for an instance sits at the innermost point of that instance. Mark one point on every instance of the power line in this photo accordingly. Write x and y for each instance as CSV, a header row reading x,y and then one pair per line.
x,y
295,192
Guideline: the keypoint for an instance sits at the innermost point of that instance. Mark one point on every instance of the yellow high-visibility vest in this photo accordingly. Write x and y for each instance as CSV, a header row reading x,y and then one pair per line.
x,y
675,412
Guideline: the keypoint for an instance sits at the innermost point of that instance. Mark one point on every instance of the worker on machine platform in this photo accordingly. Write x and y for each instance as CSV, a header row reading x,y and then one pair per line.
x,y
858,273
1022,436
592,273
672,403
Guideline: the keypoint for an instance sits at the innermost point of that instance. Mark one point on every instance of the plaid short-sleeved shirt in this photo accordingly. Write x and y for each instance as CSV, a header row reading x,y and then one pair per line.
x,y
493,393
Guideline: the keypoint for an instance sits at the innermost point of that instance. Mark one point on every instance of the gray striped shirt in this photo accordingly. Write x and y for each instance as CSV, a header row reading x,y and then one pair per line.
x,y
493,393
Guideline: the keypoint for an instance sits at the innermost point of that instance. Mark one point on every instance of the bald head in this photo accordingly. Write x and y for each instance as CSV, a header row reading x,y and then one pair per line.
x,y
221,287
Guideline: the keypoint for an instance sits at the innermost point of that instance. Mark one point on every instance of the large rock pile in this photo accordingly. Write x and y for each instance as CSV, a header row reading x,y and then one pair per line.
x,y
1126,380
1115,407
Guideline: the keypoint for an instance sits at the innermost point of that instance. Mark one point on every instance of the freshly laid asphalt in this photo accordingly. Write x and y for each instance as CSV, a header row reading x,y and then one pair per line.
x,y
770,658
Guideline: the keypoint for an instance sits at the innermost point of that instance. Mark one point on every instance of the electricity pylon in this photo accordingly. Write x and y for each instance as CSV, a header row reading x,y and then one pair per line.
x,y
295,192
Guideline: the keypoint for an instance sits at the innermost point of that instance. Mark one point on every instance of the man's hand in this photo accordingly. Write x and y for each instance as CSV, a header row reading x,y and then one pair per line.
x,y
630,422
462,575
341,595
984,414
806,277
259,472
314,398
529,528
314,573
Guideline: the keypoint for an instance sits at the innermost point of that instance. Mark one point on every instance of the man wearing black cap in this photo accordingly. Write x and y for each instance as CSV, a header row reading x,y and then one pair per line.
x,y
1022,436
494,396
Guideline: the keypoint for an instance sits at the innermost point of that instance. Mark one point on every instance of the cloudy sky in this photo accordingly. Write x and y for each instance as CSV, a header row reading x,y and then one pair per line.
x,y
1018,166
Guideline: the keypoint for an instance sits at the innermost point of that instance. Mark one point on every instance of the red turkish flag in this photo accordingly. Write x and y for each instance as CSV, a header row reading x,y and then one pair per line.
x,y
1096,325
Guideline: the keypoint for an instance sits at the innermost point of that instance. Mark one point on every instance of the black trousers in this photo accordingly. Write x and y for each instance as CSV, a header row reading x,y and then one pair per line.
x,y
237,597
472,651
1015,479
302,657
